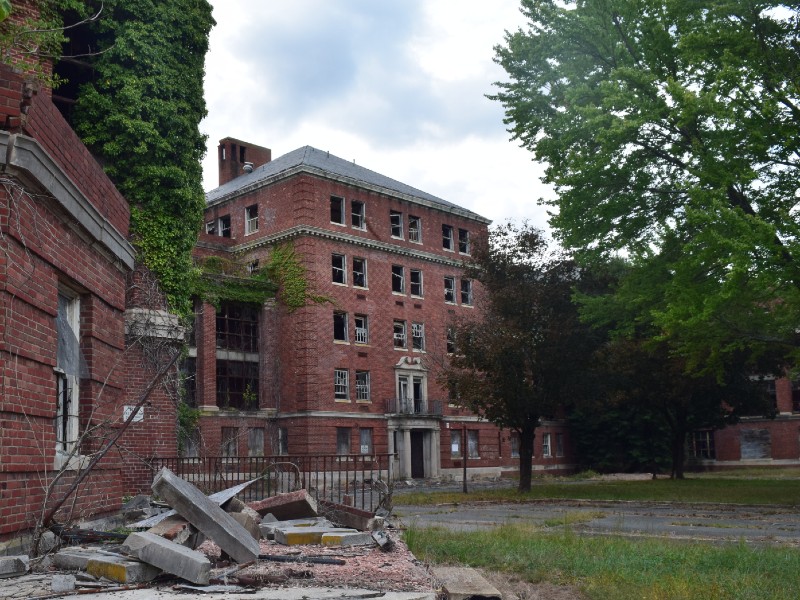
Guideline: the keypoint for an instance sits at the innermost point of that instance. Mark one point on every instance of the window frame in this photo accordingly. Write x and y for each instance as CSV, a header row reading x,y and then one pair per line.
x,y
398,279
455,443
337,200
360,273
250,219
340,327
67,419
341,385
366,449
418,337
340,269
466,292
363,390
448,242
358,213
418,284
344,440
464,242
224,226
400,332
396,224
234,378
361,338
414,229
547,448
473,443
450,291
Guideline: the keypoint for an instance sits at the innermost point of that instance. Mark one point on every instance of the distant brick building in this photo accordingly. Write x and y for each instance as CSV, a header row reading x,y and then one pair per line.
x,y
359,374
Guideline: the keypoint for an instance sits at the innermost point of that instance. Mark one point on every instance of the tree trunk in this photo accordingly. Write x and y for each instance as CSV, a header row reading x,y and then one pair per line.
x,y
526,436
678,454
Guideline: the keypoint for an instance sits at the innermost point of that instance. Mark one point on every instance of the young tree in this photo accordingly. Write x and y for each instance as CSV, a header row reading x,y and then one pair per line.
x,y
523,357
670,131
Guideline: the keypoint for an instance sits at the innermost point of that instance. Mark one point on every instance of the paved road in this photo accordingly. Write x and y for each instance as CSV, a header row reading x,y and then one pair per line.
x,y
712,522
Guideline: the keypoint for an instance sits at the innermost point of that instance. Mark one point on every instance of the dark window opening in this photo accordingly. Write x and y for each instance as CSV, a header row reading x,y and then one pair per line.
x,y
337,210
398,279
237,384
359,272
237,327
340,326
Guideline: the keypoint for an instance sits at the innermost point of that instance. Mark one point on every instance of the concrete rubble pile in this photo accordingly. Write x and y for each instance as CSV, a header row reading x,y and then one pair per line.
x,y
175,542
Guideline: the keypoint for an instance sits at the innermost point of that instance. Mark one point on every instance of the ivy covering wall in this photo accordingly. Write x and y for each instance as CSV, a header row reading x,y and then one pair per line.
x,y
140,114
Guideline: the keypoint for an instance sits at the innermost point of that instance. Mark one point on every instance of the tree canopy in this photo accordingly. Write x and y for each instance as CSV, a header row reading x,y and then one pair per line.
x,y
670,132
524,357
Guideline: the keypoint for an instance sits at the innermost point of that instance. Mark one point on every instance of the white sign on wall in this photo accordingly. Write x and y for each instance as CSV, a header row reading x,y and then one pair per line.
x,y
126,412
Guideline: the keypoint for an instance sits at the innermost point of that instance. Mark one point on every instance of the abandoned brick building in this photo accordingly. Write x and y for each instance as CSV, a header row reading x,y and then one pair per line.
x,y
357,374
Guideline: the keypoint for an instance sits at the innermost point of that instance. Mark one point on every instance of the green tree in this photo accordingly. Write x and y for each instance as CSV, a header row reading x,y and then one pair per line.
x,y
141,114
524,357
670,131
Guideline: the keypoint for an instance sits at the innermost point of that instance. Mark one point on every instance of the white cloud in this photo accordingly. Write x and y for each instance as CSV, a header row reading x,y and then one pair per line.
x,y
397,86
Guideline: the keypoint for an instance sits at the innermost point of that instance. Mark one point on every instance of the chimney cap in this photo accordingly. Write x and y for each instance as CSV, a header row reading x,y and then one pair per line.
x,y
248,167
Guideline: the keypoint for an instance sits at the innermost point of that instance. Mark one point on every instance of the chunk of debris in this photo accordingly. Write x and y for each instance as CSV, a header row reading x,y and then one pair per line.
x,y
62,584
292,505
297,536
194,506
13,566
463,583
268,528
246,521
169,556
357,538
121,569
383,540
346,516
234,505
179,530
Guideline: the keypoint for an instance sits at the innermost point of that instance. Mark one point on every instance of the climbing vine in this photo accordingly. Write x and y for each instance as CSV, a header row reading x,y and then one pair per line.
x,y
225,279
140,114
290,276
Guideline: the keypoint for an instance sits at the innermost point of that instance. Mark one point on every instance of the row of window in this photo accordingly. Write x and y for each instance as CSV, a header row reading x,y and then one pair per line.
x,y
413,283
221,226
229,442
341,331
341,385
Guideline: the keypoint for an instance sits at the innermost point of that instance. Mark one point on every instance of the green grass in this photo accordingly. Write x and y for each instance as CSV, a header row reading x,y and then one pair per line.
x,y
612,568
573,517
716,488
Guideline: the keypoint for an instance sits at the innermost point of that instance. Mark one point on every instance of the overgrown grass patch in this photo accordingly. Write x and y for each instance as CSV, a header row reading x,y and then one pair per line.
x,y
733,490
618,568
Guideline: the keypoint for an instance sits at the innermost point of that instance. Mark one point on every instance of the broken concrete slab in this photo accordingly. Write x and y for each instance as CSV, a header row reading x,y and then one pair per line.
x,y
346,516
359,538
169,556
62,583
292,505
73,559
179,530
13,566
295,536
462,583
194,506
122,569
383,540
248,523
268,529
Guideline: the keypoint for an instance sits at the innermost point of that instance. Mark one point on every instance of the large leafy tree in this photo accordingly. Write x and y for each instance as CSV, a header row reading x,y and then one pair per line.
x,y
141,114
671,131
524,357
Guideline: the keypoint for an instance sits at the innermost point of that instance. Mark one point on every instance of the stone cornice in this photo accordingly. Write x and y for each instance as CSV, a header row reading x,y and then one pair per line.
x,y
322,174
354,240
24,157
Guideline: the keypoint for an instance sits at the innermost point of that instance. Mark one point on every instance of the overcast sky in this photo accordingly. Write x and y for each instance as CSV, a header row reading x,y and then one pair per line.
x,y
396,85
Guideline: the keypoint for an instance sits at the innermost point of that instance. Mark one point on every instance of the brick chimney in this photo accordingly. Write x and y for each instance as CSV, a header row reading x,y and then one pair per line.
x,y
236,157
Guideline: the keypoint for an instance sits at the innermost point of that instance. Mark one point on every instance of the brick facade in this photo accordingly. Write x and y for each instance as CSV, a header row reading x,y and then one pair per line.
x,y
299,356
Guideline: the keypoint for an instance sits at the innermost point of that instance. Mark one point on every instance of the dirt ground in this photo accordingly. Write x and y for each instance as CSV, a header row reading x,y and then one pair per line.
x,y
513,588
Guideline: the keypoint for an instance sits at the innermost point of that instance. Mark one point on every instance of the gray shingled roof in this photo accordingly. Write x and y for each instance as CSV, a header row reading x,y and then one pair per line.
x,y
327,163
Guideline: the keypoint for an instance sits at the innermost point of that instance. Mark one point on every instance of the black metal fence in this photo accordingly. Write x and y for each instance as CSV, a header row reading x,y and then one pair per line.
x,y
355,479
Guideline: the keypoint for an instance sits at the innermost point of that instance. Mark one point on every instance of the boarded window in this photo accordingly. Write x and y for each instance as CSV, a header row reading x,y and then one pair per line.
x,y
756,443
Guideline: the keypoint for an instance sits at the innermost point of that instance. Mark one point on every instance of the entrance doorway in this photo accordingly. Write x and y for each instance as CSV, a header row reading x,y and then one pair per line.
x,y
417,454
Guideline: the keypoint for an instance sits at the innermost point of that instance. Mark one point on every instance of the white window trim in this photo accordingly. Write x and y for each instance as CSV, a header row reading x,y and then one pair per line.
x,y
468,251
366,387
403,335
418,229
366,275
66,456
341,378
250,222
418,328
365,329
343,269
411,283
452,246
453,289
362,214
399,215
346,339
342,211
547,449
402,279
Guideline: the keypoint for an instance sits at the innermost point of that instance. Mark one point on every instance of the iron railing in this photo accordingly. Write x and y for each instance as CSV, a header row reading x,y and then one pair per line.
x,y
359,480
414,406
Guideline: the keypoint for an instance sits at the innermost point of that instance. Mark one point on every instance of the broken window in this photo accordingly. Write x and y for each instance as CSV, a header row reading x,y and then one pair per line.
x,y
365,437
362,329
359,272
559,444
70,367
414,229
341,384
463,241
224,226
399,334
362,386
466,292
703,445
514,439
546,452
339,268
211,227
357,215
472,444
398,279
396,222
415,276
343,435
455,443
340,326
337,210
188,374
447,237
230,442
283,441
255,441
251,219
418,336
252,267
237,326
237,384
450,290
